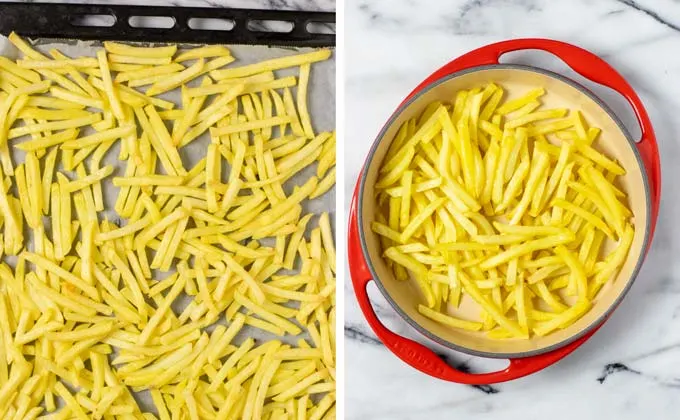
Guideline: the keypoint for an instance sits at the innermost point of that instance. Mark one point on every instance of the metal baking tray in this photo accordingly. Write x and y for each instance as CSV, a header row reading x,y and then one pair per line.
x,y
117,23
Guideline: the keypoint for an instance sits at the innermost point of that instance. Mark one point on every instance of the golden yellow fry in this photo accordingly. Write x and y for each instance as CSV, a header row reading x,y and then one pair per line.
x,y
536,116
420,218
203,52
111,91
46,114
526,109
514,186
491,309
271,65
77,98
506,147
124,49
586,215
249,126
491,104
145,335
147,72
13,68
577,270
449,320
599,158
58,271
425,133
566,317
556,174
525,248
537,171
57,64
129,59
54,125
499,239
516,104
386,231
597,199
302,100
605,188
550,127
174,81
615,260
529,231
406,261
465,246
158,145
324,185
97,138
143,180
206,124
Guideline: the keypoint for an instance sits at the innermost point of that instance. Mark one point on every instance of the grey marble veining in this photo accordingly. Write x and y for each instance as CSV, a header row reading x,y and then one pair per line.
x,y
631,368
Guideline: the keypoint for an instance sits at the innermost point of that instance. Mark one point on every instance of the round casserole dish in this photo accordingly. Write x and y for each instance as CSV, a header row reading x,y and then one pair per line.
x,y
641,183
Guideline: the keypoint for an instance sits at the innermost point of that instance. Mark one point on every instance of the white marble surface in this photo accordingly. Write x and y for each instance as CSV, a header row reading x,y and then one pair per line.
x,y
631,368
309,5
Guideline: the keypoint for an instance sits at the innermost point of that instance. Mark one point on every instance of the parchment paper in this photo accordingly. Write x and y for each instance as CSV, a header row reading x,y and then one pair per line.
x,y
321,106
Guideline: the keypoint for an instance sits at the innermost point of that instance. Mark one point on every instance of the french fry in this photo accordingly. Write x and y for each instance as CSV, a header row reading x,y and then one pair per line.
x,y
606,189
147,72
420,218
129,50
302,101
176,80
577,270
449,320
270,65
129,59
111,92
57,64
550,127
516,104
556,175
506,148
526,109
535,175
529,231
599,158
251,126
584,214
614,261
535,116
567,317
514,186
15,69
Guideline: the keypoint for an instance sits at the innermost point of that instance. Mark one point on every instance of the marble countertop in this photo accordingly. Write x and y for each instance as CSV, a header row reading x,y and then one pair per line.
x,y
631,368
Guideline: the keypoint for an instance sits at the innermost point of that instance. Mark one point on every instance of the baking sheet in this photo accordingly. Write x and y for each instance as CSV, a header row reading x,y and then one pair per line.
x,y
321,106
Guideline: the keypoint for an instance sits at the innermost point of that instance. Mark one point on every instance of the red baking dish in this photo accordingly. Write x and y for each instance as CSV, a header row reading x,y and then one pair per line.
x,y
642,183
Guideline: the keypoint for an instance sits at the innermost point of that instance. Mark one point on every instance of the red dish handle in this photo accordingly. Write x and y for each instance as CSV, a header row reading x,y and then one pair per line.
x,y
589,66
417,355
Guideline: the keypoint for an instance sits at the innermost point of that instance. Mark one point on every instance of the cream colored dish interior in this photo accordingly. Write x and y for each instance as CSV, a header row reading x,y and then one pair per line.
x,y
612,141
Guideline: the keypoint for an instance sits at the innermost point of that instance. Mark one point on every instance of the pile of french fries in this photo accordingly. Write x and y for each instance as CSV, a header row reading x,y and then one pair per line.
x,y
506,203
91,312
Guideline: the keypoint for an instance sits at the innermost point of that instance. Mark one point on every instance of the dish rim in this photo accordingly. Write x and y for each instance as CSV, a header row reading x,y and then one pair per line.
x,y
362,234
